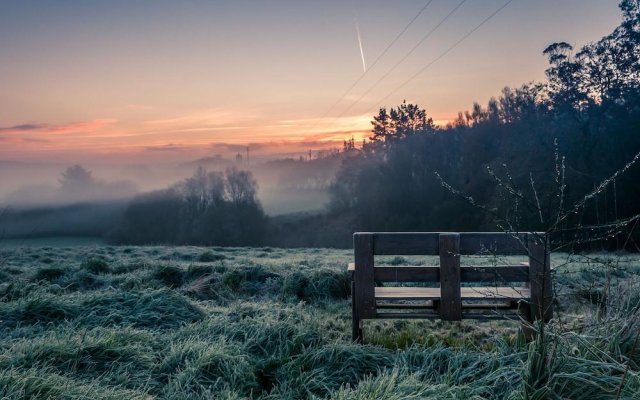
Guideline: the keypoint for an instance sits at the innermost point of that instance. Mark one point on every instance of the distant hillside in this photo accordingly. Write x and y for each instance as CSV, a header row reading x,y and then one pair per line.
x,y
213,163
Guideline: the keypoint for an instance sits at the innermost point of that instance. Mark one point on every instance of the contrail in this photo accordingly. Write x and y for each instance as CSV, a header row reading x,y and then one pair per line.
x,y
355,19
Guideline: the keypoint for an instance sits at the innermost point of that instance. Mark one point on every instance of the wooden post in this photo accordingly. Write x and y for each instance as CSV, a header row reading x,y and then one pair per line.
x,y
450,299
356,332
364,288
540,279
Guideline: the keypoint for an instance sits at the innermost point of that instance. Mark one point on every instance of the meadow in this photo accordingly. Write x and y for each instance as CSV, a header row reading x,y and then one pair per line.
x,y
102,322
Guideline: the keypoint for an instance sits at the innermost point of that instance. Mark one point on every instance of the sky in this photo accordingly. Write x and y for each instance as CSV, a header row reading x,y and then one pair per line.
x,y
162,81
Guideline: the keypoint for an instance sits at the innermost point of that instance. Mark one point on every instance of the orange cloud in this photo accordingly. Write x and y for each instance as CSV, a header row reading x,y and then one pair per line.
x,y
182,136
86,126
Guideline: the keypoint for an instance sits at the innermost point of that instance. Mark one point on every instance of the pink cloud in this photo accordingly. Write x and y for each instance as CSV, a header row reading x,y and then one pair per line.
x,y
74,127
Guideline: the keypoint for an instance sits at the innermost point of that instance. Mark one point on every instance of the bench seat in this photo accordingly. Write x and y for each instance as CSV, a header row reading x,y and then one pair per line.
x,y
467,293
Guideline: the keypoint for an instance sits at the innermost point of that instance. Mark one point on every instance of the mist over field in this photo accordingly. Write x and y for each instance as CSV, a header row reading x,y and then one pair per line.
x,y
39,201
286,185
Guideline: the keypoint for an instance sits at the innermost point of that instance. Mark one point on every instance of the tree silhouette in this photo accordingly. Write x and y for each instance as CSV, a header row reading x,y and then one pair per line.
x,y
241,187
401,122
76,178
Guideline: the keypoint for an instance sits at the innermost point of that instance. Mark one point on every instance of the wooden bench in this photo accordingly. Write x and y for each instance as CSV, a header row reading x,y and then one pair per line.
x,y
450,292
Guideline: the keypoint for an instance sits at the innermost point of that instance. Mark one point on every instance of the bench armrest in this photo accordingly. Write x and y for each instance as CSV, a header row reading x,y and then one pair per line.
x,y
351,267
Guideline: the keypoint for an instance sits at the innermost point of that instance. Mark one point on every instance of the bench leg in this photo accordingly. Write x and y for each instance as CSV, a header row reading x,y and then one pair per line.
x,y
528,329
356,329
356,332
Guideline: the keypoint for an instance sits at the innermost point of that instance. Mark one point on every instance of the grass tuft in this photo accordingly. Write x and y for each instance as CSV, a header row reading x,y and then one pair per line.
x,y
209,256
170,275
96,266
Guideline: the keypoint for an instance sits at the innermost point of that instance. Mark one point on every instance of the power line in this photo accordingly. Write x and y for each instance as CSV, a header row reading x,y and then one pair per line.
x,y
402,32
444,53
393,68
454,45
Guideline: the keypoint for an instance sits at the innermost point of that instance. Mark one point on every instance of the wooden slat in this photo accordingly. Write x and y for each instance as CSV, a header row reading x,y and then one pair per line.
x,y
466,293
486,306
406,243
499,273
540,280
390,315
363,275
427,243
451,303
407,293
489,316
406,306
430,304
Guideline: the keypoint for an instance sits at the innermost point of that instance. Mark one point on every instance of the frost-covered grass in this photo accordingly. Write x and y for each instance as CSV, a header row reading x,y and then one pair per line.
x,y
199,323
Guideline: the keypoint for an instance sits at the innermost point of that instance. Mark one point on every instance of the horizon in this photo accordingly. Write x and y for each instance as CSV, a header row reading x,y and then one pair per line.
x,y
167,83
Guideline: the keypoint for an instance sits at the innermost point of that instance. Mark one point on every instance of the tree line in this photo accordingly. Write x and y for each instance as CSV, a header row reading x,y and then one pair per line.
x,y
523,159
209,208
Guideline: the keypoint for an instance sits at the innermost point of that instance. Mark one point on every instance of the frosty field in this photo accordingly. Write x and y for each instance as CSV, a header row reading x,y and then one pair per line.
x,y
105,322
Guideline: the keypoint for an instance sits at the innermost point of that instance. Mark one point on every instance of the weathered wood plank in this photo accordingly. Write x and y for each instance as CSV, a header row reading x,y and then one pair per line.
x,y
494,274
406,306
489,316
540,279
466,293
405,243
465,306
408,315
427,243
407,293
363,275
486,306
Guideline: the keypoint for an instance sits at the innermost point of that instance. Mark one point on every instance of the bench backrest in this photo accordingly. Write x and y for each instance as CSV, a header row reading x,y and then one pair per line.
x,y
450,275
